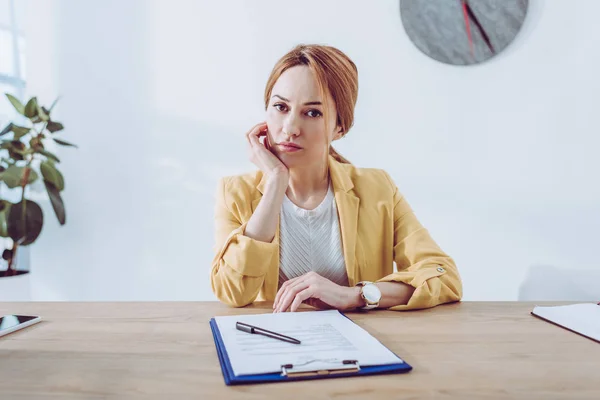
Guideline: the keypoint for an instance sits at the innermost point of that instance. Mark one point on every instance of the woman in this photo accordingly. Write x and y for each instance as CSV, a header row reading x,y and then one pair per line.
x,y
308,226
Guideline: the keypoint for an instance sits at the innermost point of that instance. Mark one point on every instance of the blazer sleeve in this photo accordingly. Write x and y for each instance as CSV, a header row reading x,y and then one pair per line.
x,y
240,262
420,261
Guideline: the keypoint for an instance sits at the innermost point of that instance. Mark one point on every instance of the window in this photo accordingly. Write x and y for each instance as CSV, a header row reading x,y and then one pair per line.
x,y
12,56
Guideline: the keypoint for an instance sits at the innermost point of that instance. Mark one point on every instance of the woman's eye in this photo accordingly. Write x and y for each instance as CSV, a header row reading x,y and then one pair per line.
x,y
279,107
314,113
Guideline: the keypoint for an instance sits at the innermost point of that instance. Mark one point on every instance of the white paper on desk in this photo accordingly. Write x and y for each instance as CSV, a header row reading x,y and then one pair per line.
x,y
582,318
327,337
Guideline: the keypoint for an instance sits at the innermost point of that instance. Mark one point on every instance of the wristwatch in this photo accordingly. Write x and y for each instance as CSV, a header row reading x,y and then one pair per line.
x,y
370,293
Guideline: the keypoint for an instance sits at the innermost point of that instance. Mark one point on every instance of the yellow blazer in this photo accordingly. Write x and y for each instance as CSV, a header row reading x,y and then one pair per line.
x,y
377,225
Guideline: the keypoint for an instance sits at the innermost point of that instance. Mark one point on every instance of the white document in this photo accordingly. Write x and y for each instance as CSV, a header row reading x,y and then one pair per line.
x,y
328,338
582,318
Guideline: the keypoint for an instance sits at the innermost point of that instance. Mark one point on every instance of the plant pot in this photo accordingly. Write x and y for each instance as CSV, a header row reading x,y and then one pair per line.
x,y
16,287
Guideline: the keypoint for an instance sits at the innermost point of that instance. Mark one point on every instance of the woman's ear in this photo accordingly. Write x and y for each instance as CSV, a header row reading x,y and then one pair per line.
x,y
339,133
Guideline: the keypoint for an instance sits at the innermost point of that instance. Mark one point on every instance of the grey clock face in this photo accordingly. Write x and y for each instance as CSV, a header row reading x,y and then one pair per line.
x,y
462,32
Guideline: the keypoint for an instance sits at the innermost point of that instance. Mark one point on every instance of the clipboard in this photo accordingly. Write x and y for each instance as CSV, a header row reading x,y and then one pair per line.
x,y
290,372
570,317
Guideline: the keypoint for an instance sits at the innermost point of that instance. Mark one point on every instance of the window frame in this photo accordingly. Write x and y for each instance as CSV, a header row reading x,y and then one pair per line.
x,y
15,80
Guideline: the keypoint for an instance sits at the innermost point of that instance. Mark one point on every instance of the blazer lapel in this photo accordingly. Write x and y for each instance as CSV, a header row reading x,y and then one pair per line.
x,y
347,205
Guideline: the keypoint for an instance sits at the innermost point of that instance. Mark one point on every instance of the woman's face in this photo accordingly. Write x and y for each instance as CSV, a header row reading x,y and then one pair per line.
x,y
295,119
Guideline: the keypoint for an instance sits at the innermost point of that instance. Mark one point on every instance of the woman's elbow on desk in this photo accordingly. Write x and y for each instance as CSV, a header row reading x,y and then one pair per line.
x,y
232,298
236,302
233,292
436,291
429,291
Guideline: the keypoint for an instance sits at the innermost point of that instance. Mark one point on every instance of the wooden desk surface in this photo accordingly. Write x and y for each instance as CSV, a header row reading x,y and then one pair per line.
x,y
163,349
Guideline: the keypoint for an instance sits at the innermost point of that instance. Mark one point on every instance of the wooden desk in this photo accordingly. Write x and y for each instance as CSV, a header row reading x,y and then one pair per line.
x,y
165,350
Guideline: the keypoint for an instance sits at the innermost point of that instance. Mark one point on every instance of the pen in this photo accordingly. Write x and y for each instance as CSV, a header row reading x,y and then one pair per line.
x,y
241,326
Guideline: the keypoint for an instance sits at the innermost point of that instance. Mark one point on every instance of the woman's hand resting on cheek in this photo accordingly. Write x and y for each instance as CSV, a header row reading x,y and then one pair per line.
x,y
313,289
262,156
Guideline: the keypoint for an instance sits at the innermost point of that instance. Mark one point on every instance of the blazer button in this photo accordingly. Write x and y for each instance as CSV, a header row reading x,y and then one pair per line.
x,y
440,269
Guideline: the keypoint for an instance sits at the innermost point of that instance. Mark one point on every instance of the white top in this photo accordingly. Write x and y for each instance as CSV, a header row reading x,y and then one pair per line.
x,y
309,240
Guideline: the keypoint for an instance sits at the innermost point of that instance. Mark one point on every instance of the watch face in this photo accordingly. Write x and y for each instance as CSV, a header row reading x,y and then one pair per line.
x,y
372,293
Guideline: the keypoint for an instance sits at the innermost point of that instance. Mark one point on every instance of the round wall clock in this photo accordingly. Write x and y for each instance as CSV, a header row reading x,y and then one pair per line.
x,y
462,32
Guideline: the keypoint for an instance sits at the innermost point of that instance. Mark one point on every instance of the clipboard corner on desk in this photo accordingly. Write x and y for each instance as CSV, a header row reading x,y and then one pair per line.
x,y
570,324
350,368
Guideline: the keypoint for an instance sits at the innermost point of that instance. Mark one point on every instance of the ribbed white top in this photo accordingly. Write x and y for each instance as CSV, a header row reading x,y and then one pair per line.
x,y
310,241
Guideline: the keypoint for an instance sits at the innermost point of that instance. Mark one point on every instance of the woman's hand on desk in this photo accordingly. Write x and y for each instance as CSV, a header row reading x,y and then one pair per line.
x,y
313,289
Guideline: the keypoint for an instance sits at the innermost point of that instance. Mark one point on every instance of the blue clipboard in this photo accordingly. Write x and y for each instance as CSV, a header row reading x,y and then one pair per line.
x,y
231,379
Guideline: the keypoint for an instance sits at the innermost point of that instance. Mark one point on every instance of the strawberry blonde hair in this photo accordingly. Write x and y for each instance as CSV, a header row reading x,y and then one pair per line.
x,y
336,74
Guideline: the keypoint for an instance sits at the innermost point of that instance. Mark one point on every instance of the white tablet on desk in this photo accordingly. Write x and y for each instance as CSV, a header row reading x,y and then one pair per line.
x,y
11,323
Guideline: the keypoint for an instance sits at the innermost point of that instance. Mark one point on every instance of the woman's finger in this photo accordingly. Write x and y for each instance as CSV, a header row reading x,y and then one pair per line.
x,y
289,295
300,297
255,131
280,292
308,278
256,128
283,288
283,299
294,287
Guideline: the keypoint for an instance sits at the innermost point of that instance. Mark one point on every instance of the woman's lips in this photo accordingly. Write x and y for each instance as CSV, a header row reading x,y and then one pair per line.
x,y
289,147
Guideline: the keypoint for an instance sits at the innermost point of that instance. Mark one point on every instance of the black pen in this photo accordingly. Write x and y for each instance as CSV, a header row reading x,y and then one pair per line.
x,y
241,326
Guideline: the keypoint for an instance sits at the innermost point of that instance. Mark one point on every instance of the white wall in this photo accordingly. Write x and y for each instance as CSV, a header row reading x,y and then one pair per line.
x,y
499,160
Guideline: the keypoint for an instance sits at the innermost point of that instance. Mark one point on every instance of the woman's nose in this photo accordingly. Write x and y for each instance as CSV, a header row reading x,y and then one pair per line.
x,y
291,127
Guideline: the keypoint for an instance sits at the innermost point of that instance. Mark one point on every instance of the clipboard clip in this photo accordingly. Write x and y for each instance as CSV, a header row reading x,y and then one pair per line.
x,y
334,367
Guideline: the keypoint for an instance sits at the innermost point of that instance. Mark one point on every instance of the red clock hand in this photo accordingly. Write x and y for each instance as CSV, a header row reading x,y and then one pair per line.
x,y
467,26
479,26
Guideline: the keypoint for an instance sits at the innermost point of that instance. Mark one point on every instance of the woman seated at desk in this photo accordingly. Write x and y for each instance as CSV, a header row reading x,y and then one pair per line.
x,y
310,227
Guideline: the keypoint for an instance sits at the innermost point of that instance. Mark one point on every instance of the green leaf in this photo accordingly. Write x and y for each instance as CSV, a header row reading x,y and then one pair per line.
x,y
57,202
4,210
16,149
64,143
13,176
52,175
20,131
33,176
7,129
31,109
16,104
54,126
25,221
48,154
42,114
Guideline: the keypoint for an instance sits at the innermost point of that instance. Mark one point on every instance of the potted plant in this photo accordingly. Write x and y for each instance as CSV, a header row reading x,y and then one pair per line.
x,y
24,160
